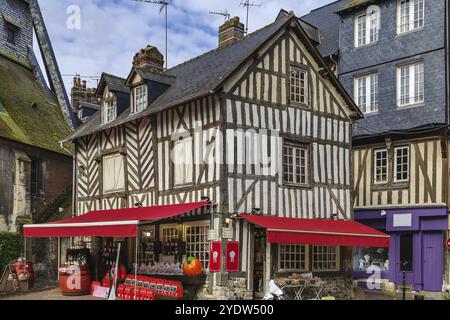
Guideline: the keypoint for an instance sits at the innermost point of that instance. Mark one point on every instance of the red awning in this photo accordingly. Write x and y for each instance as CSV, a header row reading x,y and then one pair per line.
x,y
108,223
319,232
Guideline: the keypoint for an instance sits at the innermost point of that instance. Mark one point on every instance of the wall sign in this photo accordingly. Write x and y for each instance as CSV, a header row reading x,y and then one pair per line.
x,y
215,256
402,220
232,264
448,243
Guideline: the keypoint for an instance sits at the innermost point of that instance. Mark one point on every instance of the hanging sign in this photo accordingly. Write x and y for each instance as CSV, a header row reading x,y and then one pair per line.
x,y
232,264
448,243
215,256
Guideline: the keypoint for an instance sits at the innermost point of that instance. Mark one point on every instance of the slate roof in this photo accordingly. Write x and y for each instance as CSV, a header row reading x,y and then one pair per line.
x,y
114,83
92,106
27,115
327,21
199,77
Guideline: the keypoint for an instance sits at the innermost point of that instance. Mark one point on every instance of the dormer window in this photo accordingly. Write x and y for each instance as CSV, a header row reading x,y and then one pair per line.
x,y
110,110
140,98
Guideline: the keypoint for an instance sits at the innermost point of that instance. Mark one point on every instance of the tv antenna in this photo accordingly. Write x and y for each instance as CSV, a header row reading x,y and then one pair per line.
x,y
225,13
247,4
164,4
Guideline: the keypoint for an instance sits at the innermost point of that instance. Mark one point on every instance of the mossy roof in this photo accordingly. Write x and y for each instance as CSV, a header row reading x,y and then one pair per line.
x,y
27,115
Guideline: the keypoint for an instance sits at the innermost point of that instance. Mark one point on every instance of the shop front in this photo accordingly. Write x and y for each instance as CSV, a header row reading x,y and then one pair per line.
x,y
143,245
309,258
417,250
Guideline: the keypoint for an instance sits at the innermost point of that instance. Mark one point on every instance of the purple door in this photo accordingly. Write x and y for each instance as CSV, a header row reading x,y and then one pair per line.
x,y
432,261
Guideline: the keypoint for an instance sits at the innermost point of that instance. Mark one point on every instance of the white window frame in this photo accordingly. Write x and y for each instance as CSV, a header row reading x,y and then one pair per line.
x,y
117,173
140,98
415,84
305,261
377,151
411,16
294,96
110,110
371,24
183,169
296,170
205,243
396,163
369,92
336,261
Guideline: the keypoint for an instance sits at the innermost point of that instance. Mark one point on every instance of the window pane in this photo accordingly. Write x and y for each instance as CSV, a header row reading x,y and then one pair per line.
x,y
295,161
298,86
291,257
325,258
381,168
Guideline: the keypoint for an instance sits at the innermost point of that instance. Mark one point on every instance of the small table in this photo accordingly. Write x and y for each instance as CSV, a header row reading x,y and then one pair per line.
x,y
299,288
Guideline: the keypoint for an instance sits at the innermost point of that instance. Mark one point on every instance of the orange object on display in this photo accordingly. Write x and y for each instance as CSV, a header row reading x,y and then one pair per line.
x,y
192,267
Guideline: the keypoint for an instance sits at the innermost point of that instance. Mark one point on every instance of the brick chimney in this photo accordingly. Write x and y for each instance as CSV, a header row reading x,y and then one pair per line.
x,y
149,58
81,93
230,32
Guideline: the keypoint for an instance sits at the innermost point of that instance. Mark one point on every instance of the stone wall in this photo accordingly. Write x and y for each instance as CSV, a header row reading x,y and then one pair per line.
x,y
234,289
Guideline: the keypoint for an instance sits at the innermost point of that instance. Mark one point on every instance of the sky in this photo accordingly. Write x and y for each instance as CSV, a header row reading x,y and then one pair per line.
x,y
94,36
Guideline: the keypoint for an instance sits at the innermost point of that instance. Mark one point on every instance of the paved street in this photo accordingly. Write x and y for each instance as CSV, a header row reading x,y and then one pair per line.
x,y
51,294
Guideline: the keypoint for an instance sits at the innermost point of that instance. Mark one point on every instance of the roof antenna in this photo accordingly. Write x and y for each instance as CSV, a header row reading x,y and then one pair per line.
x,y
225,13
248,5
164,4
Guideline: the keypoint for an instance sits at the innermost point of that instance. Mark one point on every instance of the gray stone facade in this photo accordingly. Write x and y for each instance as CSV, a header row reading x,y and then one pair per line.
x,y
383,56
16,13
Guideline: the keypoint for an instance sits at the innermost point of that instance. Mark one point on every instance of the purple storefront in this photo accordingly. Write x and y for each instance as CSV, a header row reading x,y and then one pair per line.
x,y
417,246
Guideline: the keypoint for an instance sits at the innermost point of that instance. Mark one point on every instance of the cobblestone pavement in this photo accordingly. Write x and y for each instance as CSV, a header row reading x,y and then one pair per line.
x,y
50,294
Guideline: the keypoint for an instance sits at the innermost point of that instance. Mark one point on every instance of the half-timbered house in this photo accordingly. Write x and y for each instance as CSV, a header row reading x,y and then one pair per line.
x,y
260,127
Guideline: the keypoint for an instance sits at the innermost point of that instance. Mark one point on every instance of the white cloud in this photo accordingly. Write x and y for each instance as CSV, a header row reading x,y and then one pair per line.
x,y
112,31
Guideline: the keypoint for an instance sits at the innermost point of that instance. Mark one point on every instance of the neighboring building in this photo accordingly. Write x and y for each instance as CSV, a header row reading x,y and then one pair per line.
x,y
206,128
392,58
35,170
83,100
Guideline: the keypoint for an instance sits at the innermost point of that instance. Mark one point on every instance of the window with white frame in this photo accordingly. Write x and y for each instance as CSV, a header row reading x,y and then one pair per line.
x,y
325,258
113,173
183,161
295,164
410,15
110,110
292,257
169,233
140,98
299,85
366,92
401,164
197,243
367,27
380,166
410,84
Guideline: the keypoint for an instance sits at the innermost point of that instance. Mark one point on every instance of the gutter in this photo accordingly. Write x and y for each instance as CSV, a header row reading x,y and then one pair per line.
x,y
74,178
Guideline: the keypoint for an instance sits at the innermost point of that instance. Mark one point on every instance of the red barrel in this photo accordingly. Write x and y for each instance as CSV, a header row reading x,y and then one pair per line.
x,y
75,280
25,269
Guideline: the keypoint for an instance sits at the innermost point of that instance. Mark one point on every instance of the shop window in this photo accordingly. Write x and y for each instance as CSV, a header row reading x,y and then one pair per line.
x,y
197,244
36,177
366,258
295,164
299,86
292,257
406,252
381,166
147,244
113,173
325,258
183,163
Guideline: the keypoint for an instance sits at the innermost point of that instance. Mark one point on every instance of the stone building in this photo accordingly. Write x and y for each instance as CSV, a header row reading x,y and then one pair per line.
x,y
35,170
392,57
